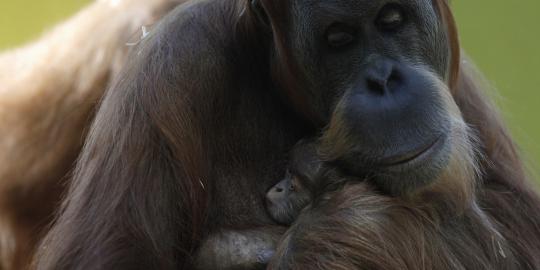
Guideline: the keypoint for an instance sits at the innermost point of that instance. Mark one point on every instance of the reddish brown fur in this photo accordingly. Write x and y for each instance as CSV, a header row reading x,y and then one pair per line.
x,y
147,187
356,228
149,184
48,92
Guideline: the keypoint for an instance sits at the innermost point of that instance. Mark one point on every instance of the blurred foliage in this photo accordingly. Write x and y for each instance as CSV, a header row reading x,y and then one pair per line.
x,y
502,37
24,20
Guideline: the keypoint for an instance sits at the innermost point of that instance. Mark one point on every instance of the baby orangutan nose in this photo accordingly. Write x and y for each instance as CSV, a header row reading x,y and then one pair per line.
x,y
287,198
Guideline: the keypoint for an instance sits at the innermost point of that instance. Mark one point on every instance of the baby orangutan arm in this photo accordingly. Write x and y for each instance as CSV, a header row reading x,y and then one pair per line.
x,y
239,249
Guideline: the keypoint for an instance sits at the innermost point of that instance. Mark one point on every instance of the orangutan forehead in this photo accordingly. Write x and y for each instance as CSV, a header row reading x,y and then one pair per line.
x,y
359,7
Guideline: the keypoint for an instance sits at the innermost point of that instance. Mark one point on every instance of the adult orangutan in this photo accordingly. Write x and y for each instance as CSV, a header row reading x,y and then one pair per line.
x,y
193,133
48,93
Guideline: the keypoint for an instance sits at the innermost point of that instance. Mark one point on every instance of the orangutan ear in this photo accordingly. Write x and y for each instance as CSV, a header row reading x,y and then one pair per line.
x,y
260,13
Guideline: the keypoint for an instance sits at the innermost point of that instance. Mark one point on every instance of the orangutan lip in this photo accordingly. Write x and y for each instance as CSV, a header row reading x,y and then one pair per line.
x,y
411,156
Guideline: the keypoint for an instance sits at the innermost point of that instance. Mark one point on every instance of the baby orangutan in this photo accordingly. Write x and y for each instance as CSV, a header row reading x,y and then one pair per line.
x,y
305,179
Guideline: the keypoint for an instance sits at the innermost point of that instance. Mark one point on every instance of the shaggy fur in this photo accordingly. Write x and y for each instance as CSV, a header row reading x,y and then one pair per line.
x,y
191,135
481,213
48,91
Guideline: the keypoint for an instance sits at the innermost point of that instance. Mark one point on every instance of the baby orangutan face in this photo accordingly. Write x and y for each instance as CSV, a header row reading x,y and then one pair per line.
x,y
287,198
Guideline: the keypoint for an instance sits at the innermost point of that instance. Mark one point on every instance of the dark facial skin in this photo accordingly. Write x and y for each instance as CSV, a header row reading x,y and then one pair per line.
x,y
373,70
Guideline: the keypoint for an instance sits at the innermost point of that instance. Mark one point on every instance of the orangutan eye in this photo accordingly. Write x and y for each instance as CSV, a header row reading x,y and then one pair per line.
x,y
390,18
339,35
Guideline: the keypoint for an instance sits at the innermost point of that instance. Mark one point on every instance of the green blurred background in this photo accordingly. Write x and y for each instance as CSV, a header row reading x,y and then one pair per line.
x,y
501,36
